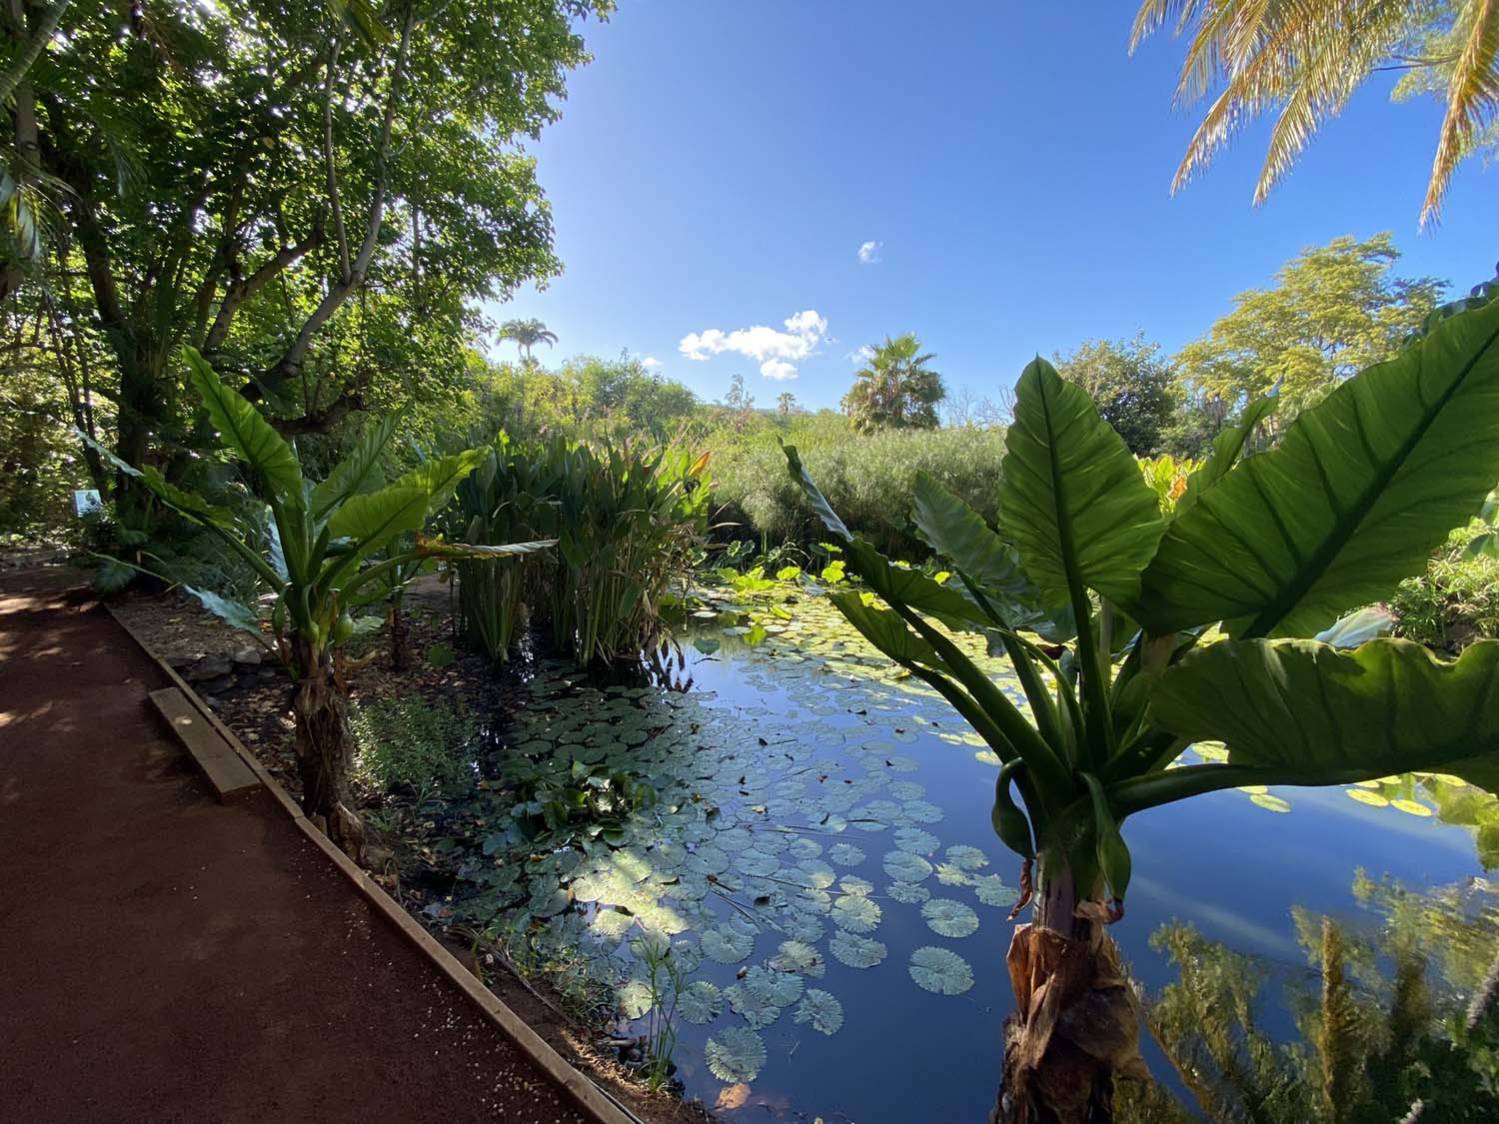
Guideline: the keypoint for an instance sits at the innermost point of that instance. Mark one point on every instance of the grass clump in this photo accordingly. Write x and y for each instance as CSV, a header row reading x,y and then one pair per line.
x,y
1455,602
410,743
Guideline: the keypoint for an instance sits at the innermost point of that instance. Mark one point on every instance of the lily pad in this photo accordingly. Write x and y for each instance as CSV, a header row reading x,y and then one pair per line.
x,y
822,1010
991,890
728,944
903,866
916,840
967,858
907,893
700,1002
1410,807
856,951
1270,803
855,913
948,918
735,1054
635,998
845,854
801,957
1364,796
779,989
940,970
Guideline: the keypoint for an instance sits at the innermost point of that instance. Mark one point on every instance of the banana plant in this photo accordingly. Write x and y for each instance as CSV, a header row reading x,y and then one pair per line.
x,y
326,549
1208,621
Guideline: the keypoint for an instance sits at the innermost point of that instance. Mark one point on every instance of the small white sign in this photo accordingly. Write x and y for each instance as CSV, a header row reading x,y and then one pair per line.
x,y
86,501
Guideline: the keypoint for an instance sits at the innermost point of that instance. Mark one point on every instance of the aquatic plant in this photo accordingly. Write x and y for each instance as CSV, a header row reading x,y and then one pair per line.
x,y
627,523
1136,633
326,556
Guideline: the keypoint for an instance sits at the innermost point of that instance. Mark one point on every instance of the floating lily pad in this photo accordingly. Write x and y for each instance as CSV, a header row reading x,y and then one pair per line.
x,y
907,893
845,854
967,858
1364,796
991,890
735,1054
856,914
801,957
948,918
915,840
780,989
1410,807
727,944
700,1002
635,998
940,970
950,874
853,884
903,866
856,951
921,811
1270,803
822,1010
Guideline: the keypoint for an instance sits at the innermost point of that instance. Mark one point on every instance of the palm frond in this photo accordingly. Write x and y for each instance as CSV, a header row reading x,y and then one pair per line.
x,y
1472,101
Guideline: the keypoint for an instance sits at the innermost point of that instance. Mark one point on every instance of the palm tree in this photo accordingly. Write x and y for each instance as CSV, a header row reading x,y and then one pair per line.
x,y
526,334
896,390
1301,60
785,403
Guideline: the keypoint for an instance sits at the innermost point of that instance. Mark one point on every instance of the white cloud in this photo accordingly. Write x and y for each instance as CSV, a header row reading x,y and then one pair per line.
x,y
776,351
869,252
651,363
860,355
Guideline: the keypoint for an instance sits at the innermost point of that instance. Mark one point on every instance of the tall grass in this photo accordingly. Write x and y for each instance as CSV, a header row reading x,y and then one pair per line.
x,y
867,478
627,521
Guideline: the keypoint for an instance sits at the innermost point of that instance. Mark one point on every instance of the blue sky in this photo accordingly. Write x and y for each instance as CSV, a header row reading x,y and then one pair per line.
x,y
719,165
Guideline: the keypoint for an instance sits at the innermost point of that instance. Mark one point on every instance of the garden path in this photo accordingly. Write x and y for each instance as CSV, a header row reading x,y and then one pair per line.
x,y
165,957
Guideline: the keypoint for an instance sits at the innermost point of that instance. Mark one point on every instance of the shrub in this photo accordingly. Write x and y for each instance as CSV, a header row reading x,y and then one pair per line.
x,y
410,743
1455,602
869,479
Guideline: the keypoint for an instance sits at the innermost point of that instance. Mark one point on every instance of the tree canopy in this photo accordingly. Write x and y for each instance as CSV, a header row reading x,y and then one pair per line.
x,y
1130,382
895,389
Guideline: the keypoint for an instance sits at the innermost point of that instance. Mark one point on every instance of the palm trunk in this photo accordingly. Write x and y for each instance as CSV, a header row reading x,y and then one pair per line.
x,y
397,635
1076,1025
323,748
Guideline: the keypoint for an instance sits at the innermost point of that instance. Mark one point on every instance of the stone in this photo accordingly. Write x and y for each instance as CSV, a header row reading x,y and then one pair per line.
x,y
209,667
182,663
217,685
247,657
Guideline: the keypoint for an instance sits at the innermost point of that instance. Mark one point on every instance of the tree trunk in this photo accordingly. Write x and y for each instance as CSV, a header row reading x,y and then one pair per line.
x,y
323,748
397,635
1076,1026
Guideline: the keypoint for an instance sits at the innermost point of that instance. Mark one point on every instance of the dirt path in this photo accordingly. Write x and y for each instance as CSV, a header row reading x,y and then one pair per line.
x,y
164,957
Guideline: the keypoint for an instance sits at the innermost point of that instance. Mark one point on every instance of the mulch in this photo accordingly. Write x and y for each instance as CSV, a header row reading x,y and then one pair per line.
x,y
164,957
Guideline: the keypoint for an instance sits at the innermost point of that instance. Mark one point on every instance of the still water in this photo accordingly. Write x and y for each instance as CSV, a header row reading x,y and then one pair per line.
x,y
814,849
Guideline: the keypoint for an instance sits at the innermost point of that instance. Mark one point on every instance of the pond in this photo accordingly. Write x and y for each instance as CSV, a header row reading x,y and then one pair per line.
x,y
807,832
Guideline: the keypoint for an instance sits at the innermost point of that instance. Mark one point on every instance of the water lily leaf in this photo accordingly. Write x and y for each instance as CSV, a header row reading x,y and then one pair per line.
x,y
756,863
801,957
727,944
991,890
700,1002
967,858
635,998
856,951
735,1054
845,854
776,988
853,884
822,1010
611,924
907,893
804,848
940,970
921,811
856,914
915,840
1410,807
950,875
1364,796
1270,803
906,867
948,918
752,1008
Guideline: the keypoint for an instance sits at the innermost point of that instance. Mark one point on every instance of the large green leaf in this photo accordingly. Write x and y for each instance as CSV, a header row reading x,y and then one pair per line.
x,y
240,424
1071,496
1359,492
885,629
1227,448
357,473
402,506
440,548
1311,713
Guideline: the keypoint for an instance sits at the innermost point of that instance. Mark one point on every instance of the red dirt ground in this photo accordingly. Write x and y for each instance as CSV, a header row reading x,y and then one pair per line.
x,y
166,958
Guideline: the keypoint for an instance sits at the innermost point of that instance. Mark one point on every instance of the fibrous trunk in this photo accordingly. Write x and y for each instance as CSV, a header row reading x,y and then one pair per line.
x,y
1075,1026
323,749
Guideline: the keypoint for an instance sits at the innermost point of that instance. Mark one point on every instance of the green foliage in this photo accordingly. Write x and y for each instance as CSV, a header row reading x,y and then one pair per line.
x,y
627,522
870,478
1130,382
897,390
1334,310
411,744
1455,601
1351,500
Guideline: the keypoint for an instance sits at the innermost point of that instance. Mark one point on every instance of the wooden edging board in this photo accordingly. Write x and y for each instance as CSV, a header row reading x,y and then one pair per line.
x,y
588,1096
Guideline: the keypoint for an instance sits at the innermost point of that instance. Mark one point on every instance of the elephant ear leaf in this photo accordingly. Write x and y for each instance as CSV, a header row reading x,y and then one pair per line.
x,y
240,424
1360,490
357,473
1314,714
1071,496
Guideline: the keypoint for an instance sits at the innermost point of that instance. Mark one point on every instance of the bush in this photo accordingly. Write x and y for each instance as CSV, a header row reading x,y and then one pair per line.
x,y
867,478
410,743
1455,602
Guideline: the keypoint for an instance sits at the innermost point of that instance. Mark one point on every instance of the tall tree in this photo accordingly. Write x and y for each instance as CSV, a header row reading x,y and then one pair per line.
x,y
1130,382
526,334
896,390
315,200
785,403
1301,62
1333,310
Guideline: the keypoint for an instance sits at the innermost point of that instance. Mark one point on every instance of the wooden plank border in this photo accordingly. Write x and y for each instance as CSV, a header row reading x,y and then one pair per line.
x,y
593,1100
